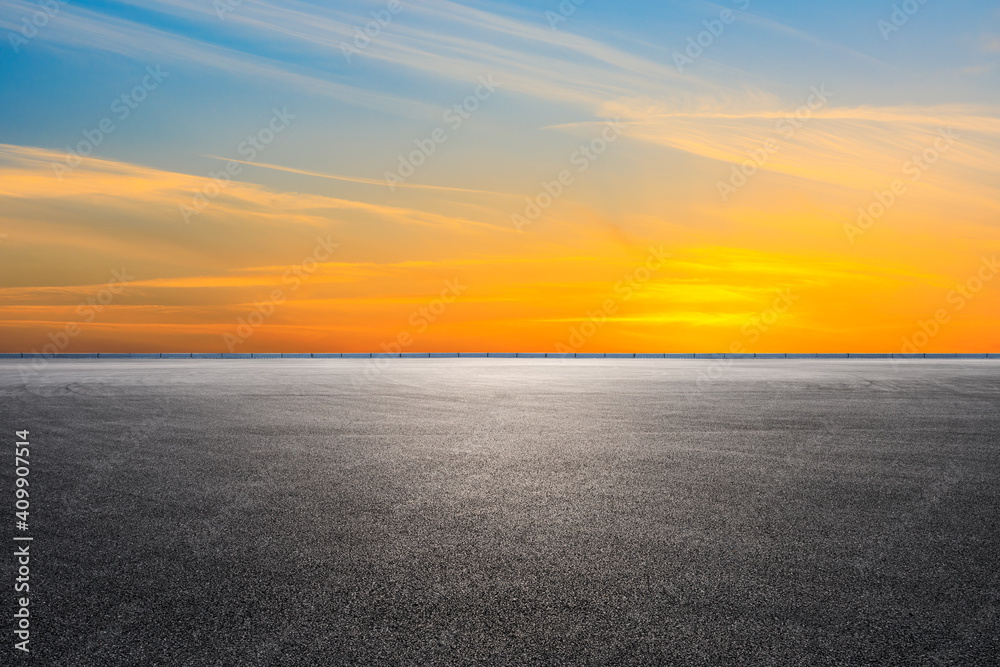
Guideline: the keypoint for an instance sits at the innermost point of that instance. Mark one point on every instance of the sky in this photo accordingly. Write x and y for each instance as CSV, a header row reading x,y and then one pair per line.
x,y
432,176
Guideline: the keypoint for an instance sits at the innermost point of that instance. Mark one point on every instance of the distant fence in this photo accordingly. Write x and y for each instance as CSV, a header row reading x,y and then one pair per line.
x,y
483,355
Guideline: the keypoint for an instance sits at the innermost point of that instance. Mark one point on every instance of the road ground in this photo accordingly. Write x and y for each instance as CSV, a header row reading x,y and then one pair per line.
x,y
520,512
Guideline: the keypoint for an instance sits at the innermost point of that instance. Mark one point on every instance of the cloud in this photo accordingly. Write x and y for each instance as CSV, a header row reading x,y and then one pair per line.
x,y
446,42
92,30
28,173
852,147
366,181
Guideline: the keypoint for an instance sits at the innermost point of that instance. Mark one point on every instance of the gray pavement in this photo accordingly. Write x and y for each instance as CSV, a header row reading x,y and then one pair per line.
x,y
509,511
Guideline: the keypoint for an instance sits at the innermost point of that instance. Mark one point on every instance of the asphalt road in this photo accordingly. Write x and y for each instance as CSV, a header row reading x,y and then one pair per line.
x,y
516,512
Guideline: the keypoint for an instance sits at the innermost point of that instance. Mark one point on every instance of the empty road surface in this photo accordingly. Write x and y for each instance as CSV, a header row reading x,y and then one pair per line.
x,y
507,511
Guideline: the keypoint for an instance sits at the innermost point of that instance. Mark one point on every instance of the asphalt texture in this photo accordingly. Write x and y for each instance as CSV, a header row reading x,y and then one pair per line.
x,y
509,512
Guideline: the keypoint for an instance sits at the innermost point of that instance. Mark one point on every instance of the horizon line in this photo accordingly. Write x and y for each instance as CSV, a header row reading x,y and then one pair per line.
x,y
499,355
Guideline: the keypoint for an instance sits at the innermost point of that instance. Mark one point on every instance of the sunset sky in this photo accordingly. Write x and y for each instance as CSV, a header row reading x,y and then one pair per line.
x,y
494,176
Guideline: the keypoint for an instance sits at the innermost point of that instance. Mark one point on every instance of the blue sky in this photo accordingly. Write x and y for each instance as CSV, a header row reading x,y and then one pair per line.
x,y
64,79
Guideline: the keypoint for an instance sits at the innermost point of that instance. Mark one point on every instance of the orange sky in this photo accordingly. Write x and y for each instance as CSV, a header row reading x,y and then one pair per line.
x,y
652,242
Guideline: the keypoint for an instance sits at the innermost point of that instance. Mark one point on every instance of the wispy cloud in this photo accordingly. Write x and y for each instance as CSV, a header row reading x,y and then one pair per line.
x,y
356,179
